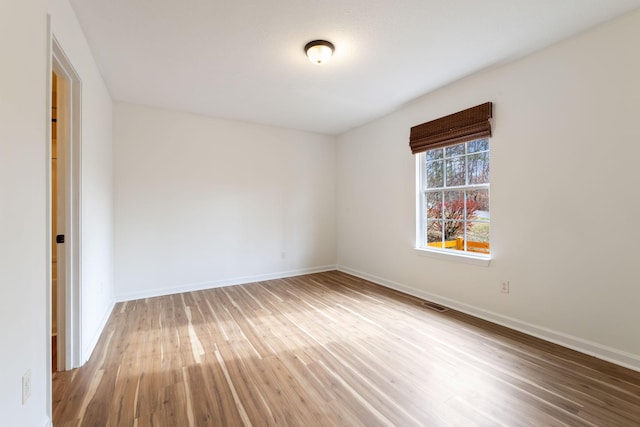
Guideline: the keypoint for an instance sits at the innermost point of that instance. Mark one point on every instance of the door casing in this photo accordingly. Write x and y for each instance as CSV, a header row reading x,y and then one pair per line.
x,y
69,296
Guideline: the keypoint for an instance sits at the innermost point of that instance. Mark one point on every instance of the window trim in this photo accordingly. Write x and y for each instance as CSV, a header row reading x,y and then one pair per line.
x,y
420,247
457,256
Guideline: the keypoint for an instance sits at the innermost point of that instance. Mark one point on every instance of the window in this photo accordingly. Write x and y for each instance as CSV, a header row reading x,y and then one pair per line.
x,y
454,197
453,182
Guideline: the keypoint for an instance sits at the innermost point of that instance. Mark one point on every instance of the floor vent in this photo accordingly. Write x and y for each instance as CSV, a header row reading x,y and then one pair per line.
x,y
434,306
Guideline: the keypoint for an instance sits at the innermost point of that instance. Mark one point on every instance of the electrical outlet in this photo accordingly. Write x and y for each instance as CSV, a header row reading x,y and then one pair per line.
x,y
504,287
26,386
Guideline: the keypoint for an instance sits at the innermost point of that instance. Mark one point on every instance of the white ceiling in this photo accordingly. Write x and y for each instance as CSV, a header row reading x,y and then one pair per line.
x,y
244,60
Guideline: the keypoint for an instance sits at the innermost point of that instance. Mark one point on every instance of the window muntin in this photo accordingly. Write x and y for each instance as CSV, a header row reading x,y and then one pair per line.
x,y
454,212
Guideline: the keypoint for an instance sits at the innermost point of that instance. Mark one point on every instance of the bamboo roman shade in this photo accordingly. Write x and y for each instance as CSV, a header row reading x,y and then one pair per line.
x,y
466,125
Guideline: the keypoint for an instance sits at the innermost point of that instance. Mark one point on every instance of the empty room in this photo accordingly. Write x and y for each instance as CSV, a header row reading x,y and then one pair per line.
x,y
302,213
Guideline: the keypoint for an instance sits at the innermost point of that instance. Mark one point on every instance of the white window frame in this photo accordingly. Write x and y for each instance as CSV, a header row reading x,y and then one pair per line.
x,y
421,247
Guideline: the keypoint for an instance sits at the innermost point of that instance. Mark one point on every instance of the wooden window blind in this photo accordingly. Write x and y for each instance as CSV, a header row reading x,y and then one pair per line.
x,y
466,125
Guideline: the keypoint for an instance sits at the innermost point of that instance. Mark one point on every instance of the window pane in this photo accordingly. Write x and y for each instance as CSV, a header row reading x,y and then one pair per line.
x,y
454,234
434,205
435,175
478,205
454,205
434,154
434,233
478,237
455,171
454,150
478,168
478,231
478,145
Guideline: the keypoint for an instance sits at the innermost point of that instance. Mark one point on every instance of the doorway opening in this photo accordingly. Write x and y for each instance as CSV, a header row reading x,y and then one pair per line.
x,y
65,309
54,222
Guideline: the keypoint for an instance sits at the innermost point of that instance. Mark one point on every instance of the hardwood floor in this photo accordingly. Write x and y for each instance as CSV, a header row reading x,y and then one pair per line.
x,y
330,349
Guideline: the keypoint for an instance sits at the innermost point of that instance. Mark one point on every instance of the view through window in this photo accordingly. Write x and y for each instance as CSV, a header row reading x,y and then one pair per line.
x,y
454,197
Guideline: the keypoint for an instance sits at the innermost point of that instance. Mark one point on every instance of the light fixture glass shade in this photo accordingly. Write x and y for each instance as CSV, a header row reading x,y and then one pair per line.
x,y
319,51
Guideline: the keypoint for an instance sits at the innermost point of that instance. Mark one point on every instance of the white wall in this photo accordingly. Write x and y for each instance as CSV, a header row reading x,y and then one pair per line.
x,y
97,283
23,209
201,202
564,195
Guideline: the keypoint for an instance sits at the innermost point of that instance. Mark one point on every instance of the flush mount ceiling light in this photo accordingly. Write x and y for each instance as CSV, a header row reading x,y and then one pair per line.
x,y
319,51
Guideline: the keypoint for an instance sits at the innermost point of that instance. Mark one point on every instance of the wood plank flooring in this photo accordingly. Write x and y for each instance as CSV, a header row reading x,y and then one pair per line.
x,y
330,349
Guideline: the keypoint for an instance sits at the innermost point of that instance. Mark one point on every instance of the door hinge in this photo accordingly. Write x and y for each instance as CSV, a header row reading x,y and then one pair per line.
x,y
60,238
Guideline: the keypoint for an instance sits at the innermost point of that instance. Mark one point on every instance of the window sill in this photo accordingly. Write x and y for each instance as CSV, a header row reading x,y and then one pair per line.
x,y
466,258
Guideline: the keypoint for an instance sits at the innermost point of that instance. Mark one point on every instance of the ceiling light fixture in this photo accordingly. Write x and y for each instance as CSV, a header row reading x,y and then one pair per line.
x,y
319,51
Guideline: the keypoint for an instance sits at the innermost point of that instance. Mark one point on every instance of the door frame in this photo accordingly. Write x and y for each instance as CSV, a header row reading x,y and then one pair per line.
x,y
69,124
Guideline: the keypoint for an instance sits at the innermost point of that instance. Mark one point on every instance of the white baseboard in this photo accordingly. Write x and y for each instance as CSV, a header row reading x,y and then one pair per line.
x,y
622,358
47,422
220,283
88,349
